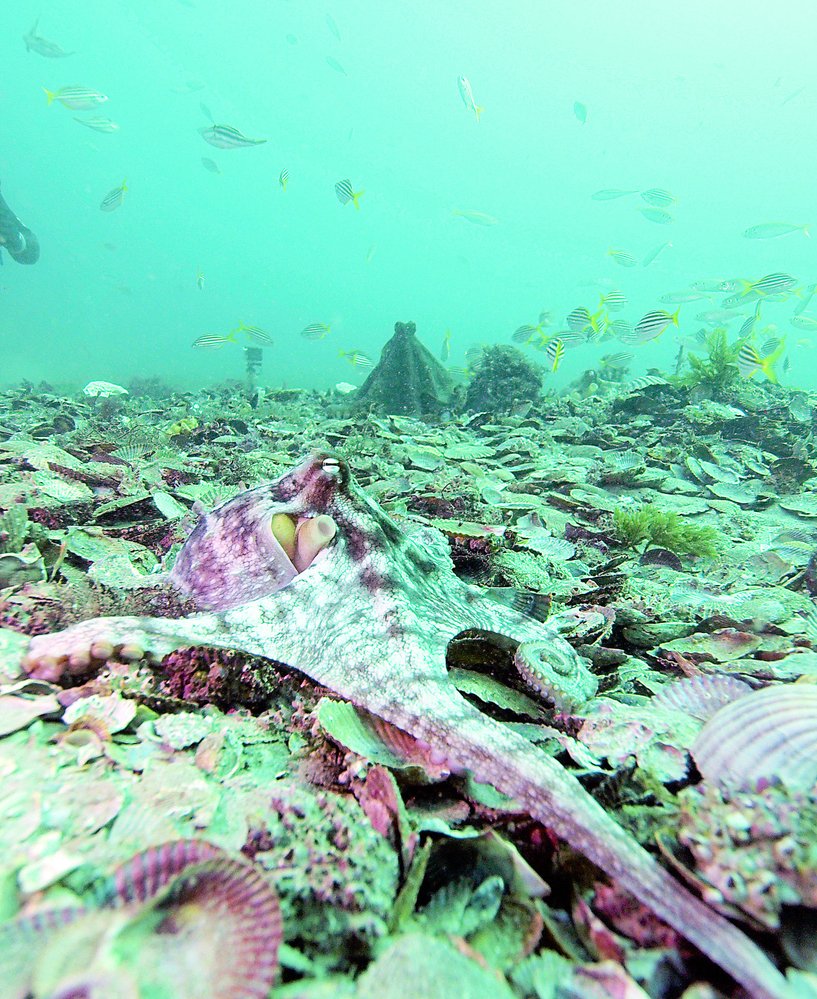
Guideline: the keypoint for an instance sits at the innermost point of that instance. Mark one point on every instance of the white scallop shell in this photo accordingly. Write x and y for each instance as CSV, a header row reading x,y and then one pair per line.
x,y
701,696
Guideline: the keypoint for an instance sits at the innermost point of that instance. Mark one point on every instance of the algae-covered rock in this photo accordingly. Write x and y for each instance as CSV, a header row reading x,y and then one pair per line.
x,y
504,377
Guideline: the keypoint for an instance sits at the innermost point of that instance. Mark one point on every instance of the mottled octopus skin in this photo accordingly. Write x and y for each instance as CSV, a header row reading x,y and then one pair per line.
x,y
371,619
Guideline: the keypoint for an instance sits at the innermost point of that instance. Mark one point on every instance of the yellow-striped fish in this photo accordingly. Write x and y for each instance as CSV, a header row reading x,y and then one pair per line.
x,y
113,199
345,193
750,361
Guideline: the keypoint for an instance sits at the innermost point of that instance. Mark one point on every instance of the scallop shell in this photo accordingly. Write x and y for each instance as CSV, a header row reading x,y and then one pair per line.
x,y
770,734
213,906
701,696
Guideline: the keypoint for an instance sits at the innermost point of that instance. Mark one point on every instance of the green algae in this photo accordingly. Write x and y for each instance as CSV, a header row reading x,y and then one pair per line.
x,y
663,529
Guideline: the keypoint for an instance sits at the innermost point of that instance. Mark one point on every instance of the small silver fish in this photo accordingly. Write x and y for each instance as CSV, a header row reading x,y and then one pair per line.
x,y
467,95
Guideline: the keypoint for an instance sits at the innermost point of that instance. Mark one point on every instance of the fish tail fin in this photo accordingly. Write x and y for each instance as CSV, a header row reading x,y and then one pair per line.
x,y
807,231
478,109
356,196
675,316
231,336
50,94
125,184
768,363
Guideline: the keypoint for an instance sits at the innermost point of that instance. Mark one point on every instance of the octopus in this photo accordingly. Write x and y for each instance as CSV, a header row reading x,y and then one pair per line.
x,y
310,571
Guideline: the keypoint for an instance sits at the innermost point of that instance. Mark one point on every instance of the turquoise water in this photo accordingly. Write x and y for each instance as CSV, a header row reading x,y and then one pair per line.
x,y
716,106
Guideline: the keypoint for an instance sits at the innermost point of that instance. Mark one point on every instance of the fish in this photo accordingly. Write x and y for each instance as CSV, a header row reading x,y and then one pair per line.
x,y
213,341
653,254
345,193
614,301
748,326
805,300
467,95
445,349
580,111
200,280
717,317
227,137
622,258
42,46
545,319
617,361
657,215
578,319
210,165
114,198
653,324
283,179
709,285
474,217
771,230
680,297
555,351
524,334
771,284
76,98
255,333
104,125
750,361
803,322
332,63
658,197
611,193
620,328
357,358
315,331
330,23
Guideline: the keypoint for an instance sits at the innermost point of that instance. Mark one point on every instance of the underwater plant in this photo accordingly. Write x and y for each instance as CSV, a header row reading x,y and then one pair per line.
x,y
663,529
503,377
716,370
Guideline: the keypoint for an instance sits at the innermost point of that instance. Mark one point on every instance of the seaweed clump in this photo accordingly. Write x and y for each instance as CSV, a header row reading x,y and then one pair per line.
x,y
663,529
716,370
503,378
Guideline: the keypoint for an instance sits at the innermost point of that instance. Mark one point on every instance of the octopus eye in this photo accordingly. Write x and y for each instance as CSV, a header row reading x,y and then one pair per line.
x,y
331,466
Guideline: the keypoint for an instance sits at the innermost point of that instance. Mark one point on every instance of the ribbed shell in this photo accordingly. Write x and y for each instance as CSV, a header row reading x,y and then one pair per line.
x,y
230,913
770,734
701,696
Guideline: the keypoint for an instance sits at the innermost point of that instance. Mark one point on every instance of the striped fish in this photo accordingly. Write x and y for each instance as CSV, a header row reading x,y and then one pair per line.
x,y
749,325
227,137
653,254
616,361
750,361
645,381
345,193
76,98
658,197
524,334
771,284
614,301
113,199
622,258
357,358
555,351
104,125
610,194
657,215
578,319
651,326
212,341
283,179
315,331
255,333
621,328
